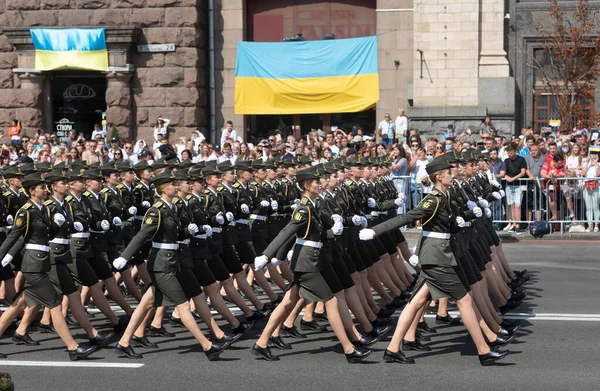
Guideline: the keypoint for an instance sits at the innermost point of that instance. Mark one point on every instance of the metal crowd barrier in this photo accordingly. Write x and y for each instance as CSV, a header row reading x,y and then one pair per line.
x,y
570,204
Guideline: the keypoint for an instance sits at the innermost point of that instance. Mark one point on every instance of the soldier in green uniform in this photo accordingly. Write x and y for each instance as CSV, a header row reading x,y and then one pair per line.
x,y
33,226
438,276
142,199
312,274
162,226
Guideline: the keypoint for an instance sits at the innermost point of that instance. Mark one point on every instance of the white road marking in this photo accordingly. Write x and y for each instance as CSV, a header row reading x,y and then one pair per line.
x,y
541,316
74,364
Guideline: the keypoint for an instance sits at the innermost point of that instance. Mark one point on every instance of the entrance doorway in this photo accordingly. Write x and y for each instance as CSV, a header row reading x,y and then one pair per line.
x,y
78,103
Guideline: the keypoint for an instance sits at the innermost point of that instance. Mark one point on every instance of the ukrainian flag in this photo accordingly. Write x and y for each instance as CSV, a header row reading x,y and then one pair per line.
x,y
70,49
308,77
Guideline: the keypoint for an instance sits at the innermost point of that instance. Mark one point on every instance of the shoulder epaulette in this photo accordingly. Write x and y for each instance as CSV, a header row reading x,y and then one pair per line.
x,y
69,198
237,185
120,186
157,204
27,205
48,202
304,201
139,186
7,193
220,188
87,193
104,191
349,183
177,200
206,191
254,183
188,197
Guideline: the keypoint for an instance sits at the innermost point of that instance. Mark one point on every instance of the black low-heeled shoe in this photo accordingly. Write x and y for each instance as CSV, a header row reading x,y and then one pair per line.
x,y
229,338
365,341
358,355
45,328
385,313
82,351
279,343
159,332
312,325
293,332
144,342
127,351
381,321
256,315
24,339
501,341
423,326
264,353
177,322
397,357
421,336
215,350
415,345
102,338
320,315
492,357
242,328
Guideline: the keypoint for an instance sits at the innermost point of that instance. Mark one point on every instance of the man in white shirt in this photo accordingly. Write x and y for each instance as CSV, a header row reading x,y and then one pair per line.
x,y
229,132
401,126
227,154
114,146
387,129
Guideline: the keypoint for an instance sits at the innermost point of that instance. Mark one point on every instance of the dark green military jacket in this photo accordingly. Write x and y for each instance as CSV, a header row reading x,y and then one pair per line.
x,y
243,197
199,243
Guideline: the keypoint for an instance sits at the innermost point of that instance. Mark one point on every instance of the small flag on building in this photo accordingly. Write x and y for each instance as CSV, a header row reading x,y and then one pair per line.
x,y
73,48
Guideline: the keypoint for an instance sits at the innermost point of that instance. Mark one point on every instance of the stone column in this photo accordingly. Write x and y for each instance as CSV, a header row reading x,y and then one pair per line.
x,y
29,101
118,104
492,57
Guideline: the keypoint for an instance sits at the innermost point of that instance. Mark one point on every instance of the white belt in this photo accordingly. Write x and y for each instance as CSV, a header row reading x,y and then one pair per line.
x,y
309,243
368,217
80,235
467,224
186,242
165,246
374,213
383,213
258,217
37,247
96,232
59,241
217,230
203,236
437,235
9,227
139,217
242,221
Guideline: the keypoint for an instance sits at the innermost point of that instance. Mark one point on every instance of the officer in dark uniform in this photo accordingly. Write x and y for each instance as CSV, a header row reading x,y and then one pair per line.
x,y
162,226
311,273
33,225
438,277
142,199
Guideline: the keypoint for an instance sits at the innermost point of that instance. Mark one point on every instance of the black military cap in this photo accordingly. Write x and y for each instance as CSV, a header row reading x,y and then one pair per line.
x,y
211,163
160,163
164,177
32,180
182,175
286,162
54,176
94,165
270,164
199,165
438,164
453,157
93,173
27,168
332,166
78,164
13,172
308,173
187,163
258,164
61,166
74,175
304,160
108,168
43,167
141,165
225,166
124,166
243,165
196,174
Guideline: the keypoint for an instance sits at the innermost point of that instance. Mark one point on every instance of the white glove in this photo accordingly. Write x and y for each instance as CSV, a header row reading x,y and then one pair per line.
x,y
274,205
371,202
260,262
59,219
219,218
193,229
488,212
6,260
497,195
364,222
120,263
402,196
229,216
502,193
245,209
374,214
9,220
413,260
207,230
495,183
357,220
264,204
117,222
366,234
483,203
460,221
145,204
471,205
337,218
337,229
477,211
296,201
78,226
132,211
105,225
414,249
276,262
290,254
398,201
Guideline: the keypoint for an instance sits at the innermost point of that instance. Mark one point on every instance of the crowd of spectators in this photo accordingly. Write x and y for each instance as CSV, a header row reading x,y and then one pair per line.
x,y
532,165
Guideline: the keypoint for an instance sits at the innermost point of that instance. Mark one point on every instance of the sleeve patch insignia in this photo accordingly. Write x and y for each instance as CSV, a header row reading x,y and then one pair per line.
x,y
19,222
426,205
149,220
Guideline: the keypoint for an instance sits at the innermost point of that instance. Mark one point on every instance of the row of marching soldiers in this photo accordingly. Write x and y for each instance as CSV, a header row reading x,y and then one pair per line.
x,y
191,232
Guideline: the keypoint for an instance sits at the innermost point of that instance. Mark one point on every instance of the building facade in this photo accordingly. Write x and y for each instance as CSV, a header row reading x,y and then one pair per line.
x,y
443,61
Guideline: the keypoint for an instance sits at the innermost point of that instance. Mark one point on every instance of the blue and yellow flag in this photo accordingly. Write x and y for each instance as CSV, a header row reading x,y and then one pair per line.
x,y
70,49
309,77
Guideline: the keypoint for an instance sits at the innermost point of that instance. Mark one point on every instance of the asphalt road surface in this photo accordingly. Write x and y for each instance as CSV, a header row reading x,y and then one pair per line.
x,y
558,349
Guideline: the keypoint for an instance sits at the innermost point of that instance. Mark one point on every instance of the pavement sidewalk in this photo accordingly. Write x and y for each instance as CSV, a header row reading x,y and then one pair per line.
x,y
413,233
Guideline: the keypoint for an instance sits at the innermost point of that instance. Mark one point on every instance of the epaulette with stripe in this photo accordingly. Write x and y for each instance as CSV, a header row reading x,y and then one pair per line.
x,y
27,205
237,185
48,202
220,188
87,193
69,198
